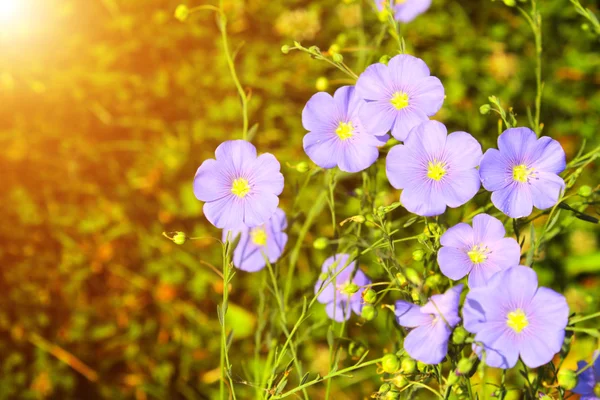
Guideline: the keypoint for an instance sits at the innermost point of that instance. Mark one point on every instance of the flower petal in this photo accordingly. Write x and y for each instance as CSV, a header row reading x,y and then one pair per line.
x,y
339,311
500,350
320,113
428,343
460,187
428,140
322,148
459,236
454,263
373,83
481,274
357,155
517,144
236,156
540,347
377,117
504,253
406,120
401,167
487,228
258,208
409,315
445,305
585,380
427,95
514,200
549,156
405,70
266,176
463,150
406,12
516,285
495,171
545,189
424,199
210,183
227,212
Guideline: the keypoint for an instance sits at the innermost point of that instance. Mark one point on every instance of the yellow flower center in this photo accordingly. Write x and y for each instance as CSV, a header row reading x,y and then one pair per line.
x,y
517,320
521,173
258,236
477,254
400,100
398,2
240,187
345,130
436,170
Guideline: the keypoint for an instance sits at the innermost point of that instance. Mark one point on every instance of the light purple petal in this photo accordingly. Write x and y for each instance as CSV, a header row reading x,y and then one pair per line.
x,y
463,150
345,100
409,10
235,156
481,274
428,343
487,229
460,187
377,117
266,176
459,236
548,311
323,148
373,83
226,212
495,171
585,380
481,307
549,156
406,70
545,189
517,144
259,207
514,200
409,315
402,167
319,114
445,305
210,184
454,263
504,253
540,347
339,311
406,120
516,285
428,140
427,95
500,350
357,155
425,200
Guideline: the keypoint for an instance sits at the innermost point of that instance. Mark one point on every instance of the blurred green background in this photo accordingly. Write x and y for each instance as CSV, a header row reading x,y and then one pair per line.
x,y
108,107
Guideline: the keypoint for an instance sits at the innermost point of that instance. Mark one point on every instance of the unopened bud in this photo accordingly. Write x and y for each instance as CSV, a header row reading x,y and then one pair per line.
x,y
460,335
408,365
369,312
401,279
302,167
415,295
400,381
321,243
285,49
314,49
418,254
334,48
510,3
567,379
464,366
182,12
356,349
350,288
338,58
369,296
390,363
179,238
452,378
384,388
585,191
413,276
322,84
433,280
597,389
485,109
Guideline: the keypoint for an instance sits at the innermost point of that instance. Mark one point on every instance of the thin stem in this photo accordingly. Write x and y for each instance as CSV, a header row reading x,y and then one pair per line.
x,y
584,318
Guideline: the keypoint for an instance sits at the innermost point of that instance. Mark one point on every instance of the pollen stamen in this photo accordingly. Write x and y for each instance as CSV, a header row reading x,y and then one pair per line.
x,y
436,170
240,187
259,236
478,254
517,320
399,100
521,173
345,130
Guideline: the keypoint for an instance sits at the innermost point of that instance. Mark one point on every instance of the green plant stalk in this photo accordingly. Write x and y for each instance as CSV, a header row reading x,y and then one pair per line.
x,y
224,362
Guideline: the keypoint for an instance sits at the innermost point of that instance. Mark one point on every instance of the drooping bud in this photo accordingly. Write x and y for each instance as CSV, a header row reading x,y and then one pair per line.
x,y
285,49
179,238
321,243
418,254
408,365
369,296
390,363
369,312
460,335
585,191
464,366
485,109
182,12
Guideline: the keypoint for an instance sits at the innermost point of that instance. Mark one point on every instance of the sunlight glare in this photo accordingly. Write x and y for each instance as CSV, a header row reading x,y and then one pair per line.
x,y
9,10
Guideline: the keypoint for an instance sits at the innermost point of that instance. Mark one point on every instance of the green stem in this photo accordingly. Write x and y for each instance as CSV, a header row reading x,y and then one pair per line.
x,y
584,318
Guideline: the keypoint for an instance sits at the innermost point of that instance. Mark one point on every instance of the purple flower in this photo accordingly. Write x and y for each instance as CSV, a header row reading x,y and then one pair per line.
x,y
523,172
337,294
588,381
480,251
238,187
512,317
432,323
268,238
405,10
337,137
434,169
399,95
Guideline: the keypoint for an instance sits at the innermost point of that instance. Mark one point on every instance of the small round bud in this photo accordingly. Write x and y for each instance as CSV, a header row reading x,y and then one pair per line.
x,y
314,49
460,335
369,296
408,365
392,395
338,58
334,48
585,27
401,279
585,191
384,388
285,49
413,276
415,295
400,381
464,366
369,312
321,243
356,349
302,167
390,363
433,280
567,379
182,12
179,238
452,378
510,3
597,389
322,84
484,109
418,254
384,59
421,366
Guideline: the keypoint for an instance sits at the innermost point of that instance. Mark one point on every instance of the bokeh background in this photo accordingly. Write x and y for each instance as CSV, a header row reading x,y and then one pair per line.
x,y
107,108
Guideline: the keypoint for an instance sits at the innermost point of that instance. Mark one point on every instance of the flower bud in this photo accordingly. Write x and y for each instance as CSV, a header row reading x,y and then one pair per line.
x,y
314,50
408,365
510,3
356,349
413,276
585,191
179,238
302,167
400,381
369,312
401,279
321,243
585,27
182,12
322,84
418,254
285,49
452,378
390,363
350,288
459,335
392,395
384,388
421,366
433,280
338,58
464,366
384,59
334,48
415,295
484,109
567,379
369,296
